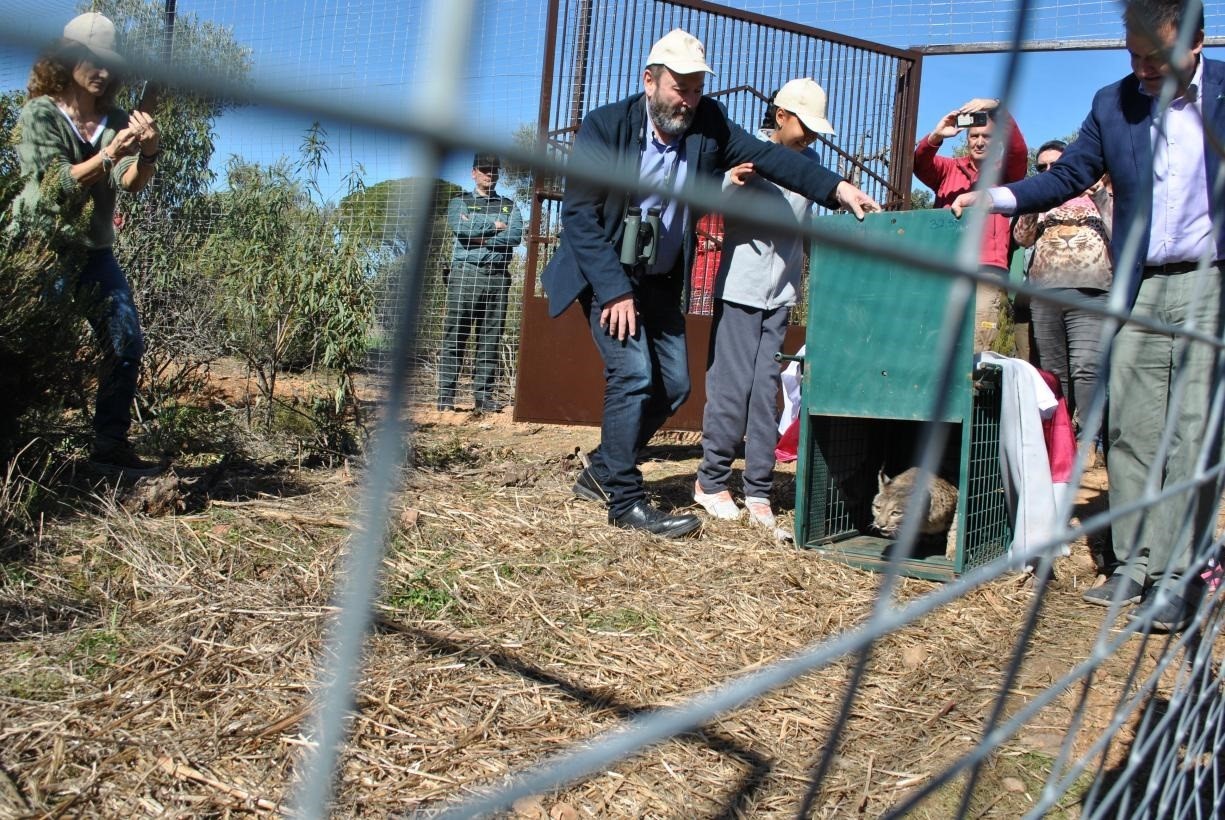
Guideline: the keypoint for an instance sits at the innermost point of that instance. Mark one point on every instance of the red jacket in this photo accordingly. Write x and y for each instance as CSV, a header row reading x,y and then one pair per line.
x,y
950,178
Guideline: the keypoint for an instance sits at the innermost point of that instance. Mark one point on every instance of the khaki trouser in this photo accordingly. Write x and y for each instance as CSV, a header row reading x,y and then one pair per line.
x,y
1162,538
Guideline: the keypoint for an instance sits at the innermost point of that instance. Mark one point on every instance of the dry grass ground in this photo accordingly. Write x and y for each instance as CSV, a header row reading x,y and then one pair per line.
x,y
158,648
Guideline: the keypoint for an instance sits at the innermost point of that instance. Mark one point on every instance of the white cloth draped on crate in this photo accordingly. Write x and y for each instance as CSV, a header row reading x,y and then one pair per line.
x,y
1033,499
789,423
791,378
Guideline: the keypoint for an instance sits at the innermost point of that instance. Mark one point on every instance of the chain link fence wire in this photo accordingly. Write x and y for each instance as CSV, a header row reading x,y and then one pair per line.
x,y
449,79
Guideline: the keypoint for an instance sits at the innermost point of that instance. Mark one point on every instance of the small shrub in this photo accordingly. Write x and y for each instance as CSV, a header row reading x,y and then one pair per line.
x,y
419,594
1005,339
293,283
187,428
18,501
319,432
46,357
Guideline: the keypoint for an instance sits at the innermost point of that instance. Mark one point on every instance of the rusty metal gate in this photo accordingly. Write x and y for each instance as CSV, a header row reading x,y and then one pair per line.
x,y
594,52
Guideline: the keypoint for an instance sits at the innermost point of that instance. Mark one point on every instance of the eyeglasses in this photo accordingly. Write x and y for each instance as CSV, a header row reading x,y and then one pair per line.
x,y
1041,166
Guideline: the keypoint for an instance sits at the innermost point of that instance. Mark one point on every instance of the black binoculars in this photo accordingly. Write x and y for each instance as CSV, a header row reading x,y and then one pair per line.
x,y
640,241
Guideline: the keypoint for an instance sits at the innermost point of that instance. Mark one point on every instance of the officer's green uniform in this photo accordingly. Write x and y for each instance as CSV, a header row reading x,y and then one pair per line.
x,y
476,291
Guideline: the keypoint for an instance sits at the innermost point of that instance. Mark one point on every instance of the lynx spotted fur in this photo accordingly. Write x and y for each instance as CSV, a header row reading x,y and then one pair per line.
x,y
893,495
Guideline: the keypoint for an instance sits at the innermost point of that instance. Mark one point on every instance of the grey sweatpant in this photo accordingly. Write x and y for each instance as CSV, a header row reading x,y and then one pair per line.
x,y
742,381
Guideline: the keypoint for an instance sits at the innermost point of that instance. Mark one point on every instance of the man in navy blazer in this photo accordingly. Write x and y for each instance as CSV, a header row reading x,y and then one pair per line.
x,y
665,138
1153,132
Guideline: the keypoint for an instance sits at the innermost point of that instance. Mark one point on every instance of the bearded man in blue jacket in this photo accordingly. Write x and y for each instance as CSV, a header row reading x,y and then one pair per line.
x,y
1159,150
665,137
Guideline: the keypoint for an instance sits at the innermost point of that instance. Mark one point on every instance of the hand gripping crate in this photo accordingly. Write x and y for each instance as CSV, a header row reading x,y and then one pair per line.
x,y
871,375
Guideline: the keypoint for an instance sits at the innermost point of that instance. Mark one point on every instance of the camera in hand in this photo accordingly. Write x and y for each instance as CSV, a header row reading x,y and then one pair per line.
x,y
640,241
148,98
975,119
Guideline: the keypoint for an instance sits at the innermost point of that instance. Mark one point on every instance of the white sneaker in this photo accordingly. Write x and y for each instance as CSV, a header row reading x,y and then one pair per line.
x,y
719,505
760,512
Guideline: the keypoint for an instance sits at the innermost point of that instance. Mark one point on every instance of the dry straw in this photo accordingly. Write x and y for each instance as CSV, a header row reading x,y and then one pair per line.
x,y
160,665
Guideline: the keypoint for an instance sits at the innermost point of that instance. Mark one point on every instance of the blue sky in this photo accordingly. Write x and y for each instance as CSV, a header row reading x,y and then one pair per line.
x,y
372,52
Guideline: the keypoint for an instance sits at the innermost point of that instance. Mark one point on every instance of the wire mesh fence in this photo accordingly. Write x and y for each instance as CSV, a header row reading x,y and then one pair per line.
x,y
300,114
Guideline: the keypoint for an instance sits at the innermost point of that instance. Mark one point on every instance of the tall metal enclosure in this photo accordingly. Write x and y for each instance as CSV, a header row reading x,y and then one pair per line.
x,y
594,53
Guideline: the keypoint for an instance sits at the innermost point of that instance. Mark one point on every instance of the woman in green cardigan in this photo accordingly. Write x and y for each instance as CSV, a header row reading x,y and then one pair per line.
x,y
77,151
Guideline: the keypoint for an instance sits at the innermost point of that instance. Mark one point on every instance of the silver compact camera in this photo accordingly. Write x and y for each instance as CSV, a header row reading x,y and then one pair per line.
x,y
975,119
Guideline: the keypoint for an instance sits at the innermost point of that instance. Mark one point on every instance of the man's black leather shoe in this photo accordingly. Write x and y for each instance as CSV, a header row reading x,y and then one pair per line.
x,y
589,487
1169,610
1105,594
1172,616
642,516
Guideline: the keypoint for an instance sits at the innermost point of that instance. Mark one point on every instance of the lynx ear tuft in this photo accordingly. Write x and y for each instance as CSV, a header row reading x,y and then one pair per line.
x,y
882,480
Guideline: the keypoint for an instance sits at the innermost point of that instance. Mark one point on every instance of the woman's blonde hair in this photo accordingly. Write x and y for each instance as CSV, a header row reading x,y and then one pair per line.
x,y
52,72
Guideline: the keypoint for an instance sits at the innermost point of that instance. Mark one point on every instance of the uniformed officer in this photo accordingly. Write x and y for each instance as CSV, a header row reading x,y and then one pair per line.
x,y
487,228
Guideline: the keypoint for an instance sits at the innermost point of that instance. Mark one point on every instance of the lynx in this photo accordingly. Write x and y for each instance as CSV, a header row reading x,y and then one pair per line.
x,y
893,495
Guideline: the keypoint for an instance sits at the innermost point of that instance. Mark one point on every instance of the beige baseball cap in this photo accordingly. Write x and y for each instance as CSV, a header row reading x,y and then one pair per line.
x,y
97,33
681,52
806,100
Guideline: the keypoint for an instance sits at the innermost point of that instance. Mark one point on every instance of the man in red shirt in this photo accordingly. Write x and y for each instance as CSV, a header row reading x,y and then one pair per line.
x,y
951,177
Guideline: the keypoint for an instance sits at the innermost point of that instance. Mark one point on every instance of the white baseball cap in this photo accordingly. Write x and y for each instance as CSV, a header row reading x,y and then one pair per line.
x,y
97,33
681,52
806,100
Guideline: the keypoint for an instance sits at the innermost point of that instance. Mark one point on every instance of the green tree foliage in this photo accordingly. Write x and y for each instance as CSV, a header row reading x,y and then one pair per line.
x,y
385,211
293,284
10,108
262,270
521,178
921,198
381,216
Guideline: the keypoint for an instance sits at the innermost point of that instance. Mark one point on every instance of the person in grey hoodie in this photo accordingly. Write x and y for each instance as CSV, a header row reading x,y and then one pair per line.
x,y
755,288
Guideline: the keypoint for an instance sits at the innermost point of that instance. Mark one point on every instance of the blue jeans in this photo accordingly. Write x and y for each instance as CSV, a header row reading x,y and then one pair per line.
x,y
646,379
106,299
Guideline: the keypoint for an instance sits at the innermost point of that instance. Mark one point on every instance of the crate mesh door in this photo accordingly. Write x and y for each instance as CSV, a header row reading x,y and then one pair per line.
x,y
838,500
987,531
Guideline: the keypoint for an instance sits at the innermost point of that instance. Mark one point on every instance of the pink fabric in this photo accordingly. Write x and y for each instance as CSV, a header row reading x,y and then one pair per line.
x,y
951,177
789,443
1057,430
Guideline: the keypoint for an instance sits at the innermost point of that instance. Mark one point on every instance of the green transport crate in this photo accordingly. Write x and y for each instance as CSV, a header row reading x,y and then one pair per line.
x,y
871,373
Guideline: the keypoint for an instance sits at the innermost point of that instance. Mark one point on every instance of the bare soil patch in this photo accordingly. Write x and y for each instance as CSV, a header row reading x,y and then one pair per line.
x,y
158,659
